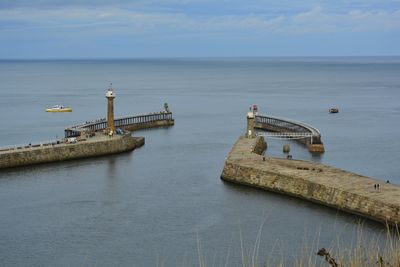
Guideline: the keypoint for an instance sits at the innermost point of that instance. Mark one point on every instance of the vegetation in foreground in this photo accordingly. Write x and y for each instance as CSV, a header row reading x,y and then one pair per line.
x,y
365,253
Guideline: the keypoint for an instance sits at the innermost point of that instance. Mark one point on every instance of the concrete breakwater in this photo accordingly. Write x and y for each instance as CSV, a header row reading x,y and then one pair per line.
x,y
315,182
95,146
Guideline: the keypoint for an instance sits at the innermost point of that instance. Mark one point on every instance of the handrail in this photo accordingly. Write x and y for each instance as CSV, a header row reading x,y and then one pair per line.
x,y
313,130
101,121
285,135
101,124
25,146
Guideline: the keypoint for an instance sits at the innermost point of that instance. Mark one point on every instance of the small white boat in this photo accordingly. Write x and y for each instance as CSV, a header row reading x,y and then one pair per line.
x,y
59,108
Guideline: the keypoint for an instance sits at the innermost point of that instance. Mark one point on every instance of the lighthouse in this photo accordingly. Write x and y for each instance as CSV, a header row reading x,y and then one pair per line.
x,y
110,95
250,123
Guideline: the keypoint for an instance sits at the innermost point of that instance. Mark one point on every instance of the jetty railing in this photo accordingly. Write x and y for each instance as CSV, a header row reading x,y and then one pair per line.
x,y
121,122
287,128
30,145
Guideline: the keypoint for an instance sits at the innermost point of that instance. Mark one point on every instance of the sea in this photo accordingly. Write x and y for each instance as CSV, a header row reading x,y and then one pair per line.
x,y
164,204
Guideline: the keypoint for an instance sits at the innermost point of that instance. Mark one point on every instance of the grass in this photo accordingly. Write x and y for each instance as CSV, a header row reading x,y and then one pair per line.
x,y
365,252
371,253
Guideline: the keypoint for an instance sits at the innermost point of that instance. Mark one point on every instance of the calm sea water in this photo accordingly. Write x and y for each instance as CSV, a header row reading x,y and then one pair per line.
x,y
165,202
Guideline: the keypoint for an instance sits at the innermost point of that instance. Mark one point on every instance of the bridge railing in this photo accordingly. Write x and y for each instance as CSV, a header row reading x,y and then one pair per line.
x,y
101,124
286,135
289,124
288,128
30,145
145,118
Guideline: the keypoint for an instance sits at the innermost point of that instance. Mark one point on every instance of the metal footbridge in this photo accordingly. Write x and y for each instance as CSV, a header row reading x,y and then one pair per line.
x,y
126,122
277,127
287,135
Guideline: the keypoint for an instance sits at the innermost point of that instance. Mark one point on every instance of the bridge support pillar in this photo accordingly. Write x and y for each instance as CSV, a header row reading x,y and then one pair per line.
x,y
316,148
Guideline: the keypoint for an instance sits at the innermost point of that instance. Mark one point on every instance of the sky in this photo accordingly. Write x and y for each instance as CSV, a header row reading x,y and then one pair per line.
x,y
198,28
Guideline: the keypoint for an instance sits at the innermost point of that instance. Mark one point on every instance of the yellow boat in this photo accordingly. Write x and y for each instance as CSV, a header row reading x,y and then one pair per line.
x,y
59,108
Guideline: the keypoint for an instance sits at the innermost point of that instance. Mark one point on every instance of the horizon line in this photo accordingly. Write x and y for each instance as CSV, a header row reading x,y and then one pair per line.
x,y
196,57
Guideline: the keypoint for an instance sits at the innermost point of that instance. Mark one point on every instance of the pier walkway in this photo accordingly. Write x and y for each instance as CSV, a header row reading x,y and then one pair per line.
x,y
314,182
130,123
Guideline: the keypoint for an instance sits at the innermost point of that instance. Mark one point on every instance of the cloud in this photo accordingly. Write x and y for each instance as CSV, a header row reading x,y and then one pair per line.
x,y
117,20
316,20
90,3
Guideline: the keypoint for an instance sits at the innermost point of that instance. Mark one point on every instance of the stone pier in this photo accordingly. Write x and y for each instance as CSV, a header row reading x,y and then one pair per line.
x,y
98,145
90,139
315,182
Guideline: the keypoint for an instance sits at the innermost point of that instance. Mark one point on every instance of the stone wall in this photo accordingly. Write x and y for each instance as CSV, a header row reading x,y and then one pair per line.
x,y
314,182
59,152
